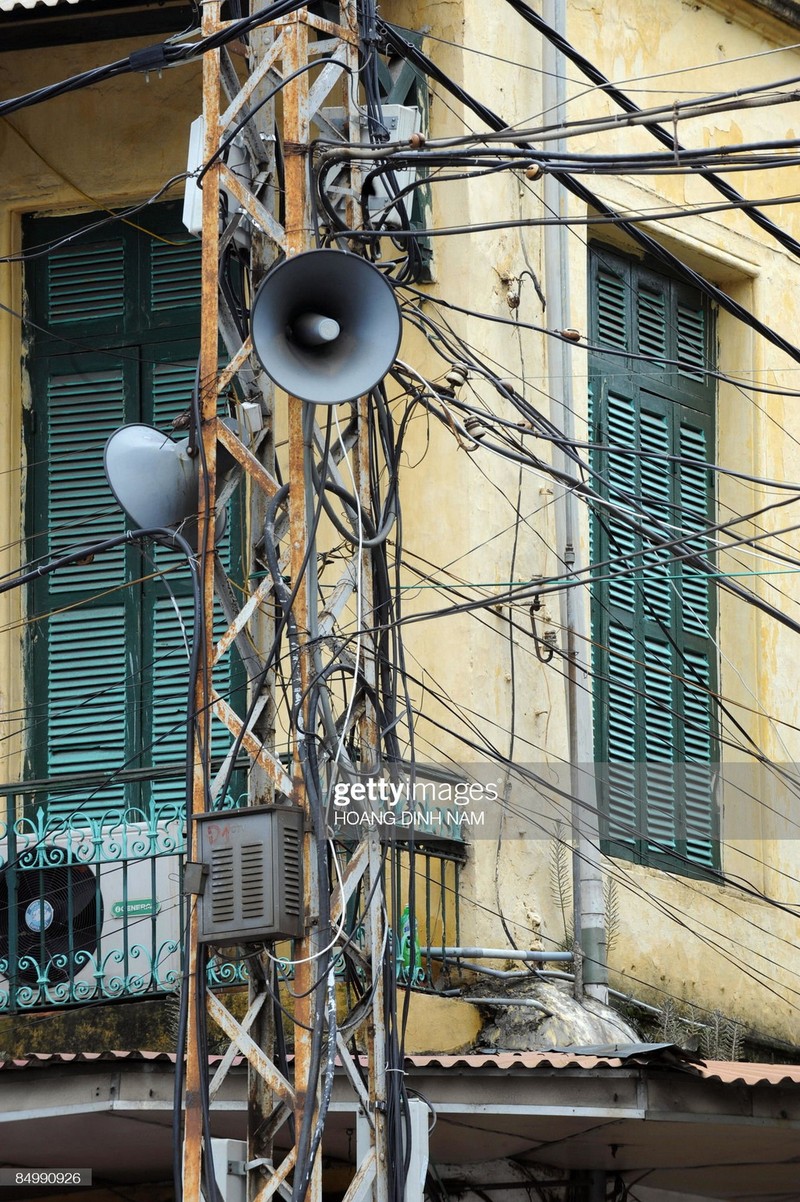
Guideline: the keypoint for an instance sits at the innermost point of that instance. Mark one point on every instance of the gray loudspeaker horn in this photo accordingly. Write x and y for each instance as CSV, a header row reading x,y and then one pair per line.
x,y
155,481
326,326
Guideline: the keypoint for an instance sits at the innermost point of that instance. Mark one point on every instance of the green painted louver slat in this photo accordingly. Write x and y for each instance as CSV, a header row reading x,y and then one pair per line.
x,y
698,780
174,276
697,725
620,425
622,727
691,341
660,739
86,283
170,385
694,500
167,676
652,326
82,411
172,388
622,788
86,672
612,310
657,566
654,654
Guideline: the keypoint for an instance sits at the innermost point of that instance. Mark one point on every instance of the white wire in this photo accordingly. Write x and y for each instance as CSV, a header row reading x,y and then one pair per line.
x,y
285,961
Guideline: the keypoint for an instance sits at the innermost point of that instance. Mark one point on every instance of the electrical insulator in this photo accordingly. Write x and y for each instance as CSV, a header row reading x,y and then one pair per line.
x,y
457,375
475,427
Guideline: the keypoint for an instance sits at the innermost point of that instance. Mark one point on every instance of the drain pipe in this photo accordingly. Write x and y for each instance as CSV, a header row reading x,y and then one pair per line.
x,y
528,1003
493,953
587,880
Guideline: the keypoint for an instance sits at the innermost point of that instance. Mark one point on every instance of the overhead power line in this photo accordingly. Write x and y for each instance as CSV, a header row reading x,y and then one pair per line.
x,y
629,106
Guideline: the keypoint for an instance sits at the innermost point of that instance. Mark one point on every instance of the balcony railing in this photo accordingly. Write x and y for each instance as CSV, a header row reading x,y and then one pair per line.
x,y
91,904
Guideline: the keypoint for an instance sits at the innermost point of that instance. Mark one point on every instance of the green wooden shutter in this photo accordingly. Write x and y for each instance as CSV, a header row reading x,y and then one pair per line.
x,y
654,628
85,284
612,309
108,667
80,614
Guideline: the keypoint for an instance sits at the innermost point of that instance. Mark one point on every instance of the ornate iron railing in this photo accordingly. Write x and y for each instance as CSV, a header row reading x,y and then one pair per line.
x,y
91,904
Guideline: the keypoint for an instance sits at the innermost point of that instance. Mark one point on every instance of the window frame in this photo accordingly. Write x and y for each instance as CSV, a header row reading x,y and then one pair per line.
x,y
150,334
678,403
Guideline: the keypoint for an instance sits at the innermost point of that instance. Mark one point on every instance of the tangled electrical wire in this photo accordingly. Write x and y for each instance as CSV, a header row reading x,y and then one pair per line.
x,y
316,666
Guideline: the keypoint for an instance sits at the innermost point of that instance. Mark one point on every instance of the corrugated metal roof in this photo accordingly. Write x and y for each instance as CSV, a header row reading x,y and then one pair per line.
x,y
508,1061
7,5
727,1072
43,1059
734,1072
723,1071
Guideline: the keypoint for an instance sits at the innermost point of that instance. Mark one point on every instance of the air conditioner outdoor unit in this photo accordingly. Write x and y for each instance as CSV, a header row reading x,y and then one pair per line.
x,y
85,918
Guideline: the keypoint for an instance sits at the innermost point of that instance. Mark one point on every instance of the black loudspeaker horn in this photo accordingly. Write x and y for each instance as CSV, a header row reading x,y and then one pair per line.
x,y
326,326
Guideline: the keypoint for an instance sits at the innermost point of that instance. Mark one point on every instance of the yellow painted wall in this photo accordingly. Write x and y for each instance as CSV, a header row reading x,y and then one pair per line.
x,y
107,146
718,948
714,948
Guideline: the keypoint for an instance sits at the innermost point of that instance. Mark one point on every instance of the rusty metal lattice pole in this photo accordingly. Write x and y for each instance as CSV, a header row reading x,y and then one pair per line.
x,y
280,61
206,402
298,239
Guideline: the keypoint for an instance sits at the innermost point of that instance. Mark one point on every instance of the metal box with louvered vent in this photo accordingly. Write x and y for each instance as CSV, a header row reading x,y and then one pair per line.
x,y
254,886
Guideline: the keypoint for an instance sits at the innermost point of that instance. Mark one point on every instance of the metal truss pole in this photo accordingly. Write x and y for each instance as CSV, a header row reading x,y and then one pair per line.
x,y
277,59
206,529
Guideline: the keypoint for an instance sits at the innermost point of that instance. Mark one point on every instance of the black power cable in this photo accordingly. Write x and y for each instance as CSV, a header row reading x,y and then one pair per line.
x,y
629,106
153,58
421,61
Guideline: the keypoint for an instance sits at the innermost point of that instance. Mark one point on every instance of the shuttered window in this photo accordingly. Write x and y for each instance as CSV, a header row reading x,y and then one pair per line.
x,y
113,337
653,614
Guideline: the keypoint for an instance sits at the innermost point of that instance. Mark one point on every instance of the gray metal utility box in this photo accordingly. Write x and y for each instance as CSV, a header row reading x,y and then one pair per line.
x,y
254,884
